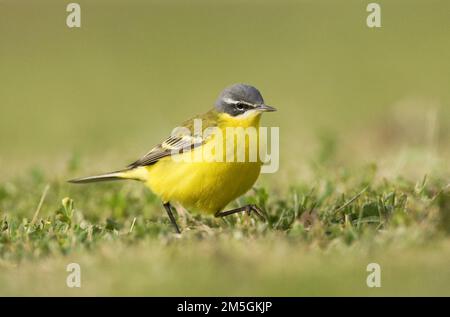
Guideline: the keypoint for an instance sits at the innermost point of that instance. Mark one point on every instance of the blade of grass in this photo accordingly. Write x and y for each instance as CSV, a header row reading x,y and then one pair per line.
x,y
351,200
38,209
132,225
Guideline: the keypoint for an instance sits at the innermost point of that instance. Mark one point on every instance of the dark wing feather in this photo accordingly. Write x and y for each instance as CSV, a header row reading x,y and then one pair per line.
x,y
170,146
177,143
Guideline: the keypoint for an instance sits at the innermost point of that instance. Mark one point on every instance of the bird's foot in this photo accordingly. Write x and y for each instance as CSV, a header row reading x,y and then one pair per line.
x,y
247,208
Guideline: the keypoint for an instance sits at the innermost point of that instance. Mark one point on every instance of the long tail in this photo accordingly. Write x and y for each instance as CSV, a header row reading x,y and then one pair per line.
x,y
139,173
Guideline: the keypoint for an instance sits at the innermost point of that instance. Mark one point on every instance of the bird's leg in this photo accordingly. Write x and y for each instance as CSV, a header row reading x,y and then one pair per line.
x,y
168,208
247,208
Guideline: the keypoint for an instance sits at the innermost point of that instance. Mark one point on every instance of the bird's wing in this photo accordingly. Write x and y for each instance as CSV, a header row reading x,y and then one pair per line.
x,y
170,146
178,142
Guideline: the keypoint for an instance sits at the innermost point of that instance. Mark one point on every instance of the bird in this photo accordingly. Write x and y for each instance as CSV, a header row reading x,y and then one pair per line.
x,y
210,183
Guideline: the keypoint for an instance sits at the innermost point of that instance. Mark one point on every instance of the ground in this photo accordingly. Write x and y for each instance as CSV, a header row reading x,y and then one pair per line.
x,y
318,240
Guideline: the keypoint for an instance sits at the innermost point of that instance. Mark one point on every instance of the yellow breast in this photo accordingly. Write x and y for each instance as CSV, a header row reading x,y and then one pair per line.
x,y
199,180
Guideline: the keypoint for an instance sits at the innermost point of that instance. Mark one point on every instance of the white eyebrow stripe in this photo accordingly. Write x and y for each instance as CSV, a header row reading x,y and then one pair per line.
x,y
230,101
235,102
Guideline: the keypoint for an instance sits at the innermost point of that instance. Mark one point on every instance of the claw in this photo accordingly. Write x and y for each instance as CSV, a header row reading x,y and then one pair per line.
x,y
257,211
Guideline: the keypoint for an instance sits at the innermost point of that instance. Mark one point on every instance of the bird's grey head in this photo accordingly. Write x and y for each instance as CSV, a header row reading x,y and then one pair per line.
x,y
240,98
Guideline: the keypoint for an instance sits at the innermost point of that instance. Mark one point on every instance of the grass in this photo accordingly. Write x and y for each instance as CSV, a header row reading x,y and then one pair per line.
x,y
318,239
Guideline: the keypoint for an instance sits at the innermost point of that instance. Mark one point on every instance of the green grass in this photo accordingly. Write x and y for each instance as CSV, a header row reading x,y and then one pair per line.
x,y
318,239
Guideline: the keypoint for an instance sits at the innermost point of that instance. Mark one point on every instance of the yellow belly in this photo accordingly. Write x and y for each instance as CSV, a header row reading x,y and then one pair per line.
x,y
205,186
211,184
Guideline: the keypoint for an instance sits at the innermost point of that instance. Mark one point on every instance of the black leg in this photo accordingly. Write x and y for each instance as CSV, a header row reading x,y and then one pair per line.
x,y
168,208
248,208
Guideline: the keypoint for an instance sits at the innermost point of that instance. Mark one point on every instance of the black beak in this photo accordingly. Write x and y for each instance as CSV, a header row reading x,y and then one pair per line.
x,y
265,108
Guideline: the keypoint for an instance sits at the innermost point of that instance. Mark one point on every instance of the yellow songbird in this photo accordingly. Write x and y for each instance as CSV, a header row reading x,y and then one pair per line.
x,y
201,170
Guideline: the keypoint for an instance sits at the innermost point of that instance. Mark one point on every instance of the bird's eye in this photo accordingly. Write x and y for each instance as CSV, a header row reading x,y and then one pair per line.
x,y
240,106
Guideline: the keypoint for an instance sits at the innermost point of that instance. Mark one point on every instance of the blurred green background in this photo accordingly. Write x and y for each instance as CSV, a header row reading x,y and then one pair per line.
x,y
358,108
112,89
